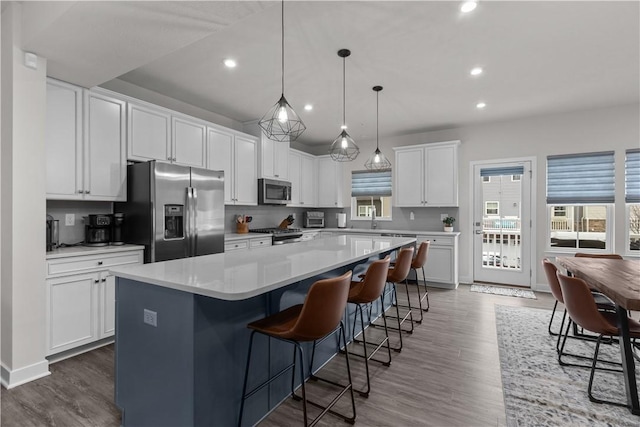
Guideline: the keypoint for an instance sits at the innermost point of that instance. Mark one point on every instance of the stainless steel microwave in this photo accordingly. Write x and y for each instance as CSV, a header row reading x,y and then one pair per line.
x,y
273,192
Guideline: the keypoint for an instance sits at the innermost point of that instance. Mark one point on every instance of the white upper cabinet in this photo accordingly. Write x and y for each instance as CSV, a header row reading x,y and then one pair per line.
x,y
63,141
148,133
105,170
330,183
155,133
235,155
85,144
302,174
426,175
273,156
189,142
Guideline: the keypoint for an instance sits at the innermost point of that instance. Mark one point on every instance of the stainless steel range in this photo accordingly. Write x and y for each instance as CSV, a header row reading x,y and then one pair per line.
x,y
281,235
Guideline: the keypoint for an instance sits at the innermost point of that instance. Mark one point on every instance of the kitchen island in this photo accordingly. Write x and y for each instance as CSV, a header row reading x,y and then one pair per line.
x,y
181,336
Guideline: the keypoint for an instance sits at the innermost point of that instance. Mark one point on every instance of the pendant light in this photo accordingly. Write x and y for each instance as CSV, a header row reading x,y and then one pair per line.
x,y
281,123
344,149
377,161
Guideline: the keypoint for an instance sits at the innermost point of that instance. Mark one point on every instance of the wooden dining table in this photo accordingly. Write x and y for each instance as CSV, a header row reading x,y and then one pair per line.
x,y
620,281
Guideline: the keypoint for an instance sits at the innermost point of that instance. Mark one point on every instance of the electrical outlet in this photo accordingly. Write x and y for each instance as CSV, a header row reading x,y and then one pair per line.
x,y
412,216
443,216
151,318
70,219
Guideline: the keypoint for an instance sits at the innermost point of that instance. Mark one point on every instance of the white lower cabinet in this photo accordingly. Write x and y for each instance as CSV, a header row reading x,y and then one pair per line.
x,y
81,298
247,243
442,260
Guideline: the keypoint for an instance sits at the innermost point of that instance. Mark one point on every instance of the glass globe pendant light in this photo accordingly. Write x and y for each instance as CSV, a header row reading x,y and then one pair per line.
x,y
377,161
281,123
344,149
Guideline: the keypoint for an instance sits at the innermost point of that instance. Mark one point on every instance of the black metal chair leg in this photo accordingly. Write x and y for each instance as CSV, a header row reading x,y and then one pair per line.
x,y
246,376
591,376
398,349
426,291
551,320
351,420
366,357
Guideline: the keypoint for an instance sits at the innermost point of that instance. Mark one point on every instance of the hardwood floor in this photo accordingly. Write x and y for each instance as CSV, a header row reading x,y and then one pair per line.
x,y
448,374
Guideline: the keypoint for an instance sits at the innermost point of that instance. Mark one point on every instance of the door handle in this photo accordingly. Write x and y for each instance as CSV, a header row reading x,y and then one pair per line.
x,y
189,227
194,223
479,232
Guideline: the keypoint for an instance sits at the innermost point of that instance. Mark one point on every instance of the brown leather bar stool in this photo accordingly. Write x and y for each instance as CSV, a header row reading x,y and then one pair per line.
x,y
583,310
363,294
397,274
418,262
319,316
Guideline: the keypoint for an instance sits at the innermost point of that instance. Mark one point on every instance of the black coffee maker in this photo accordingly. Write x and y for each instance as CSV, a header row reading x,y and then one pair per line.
x,y
116,229
97,230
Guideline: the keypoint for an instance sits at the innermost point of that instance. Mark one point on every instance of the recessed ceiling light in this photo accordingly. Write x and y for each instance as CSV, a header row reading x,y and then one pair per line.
x,y
468,6
230,63
308,107
481,105
476,71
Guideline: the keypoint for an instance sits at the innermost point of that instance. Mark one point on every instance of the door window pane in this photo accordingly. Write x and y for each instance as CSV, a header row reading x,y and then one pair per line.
x,y
633,219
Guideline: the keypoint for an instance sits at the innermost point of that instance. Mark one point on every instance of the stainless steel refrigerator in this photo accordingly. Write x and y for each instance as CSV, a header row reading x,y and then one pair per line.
x,y
174,211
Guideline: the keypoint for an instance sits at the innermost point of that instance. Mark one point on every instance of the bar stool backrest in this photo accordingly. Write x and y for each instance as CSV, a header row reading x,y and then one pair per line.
x,y
581,306
322,309
551,271
402,267
374,281
605,256
421,257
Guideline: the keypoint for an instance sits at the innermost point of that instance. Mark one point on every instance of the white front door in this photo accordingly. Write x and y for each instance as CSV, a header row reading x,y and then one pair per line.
x,y
502,206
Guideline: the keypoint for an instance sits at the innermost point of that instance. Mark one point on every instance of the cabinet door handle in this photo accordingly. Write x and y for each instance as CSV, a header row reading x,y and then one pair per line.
x,y
80,191
87,191
169,158
277,176
104,279
99,262
96,281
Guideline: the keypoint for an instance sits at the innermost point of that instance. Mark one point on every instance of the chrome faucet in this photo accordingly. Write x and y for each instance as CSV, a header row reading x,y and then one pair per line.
x,y
373,218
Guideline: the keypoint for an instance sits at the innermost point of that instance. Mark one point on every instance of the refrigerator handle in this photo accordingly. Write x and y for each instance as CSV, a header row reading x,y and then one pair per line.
x,y
189,225
194,221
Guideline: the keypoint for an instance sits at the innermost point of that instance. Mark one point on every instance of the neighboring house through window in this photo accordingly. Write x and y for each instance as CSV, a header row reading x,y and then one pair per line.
x,y
492,208
632,199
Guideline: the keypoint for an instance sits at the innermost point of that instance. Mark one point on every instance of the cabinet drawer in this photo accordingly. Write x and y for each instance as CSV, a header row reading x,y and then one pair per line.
x,y
438,240
237,245
257,243
77,264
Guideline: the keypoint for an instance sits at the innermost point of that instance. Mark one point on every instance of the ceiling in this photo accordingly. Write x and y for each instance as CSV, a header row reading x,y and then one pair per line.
x,y
538,57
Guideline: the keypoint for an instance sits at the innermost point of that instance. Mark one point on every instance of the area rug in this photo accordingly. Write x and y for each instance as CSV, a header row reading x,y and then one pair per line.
x,y
540,392
499,290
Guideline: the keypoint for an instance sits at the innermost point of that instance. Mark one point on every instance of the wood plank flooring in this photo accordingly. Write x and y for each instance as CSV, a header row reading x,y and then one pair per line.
x,y
448,374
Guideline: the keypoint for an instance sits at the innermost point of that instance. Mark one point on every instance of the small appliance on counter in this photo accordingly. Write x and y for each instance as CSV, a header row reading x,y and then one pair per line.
x,y
53,236
97,230
313,219
342,220
116,229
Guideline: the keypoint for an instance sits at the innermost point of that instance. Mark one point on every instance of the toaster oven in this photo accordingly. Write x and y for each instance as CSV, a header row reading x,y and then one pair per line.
x,y
314,219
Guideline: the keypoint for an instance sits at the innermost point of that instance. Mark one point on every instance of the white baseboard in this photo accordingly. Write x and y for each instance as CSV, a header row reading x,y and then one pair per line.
x,y
467,280
541,287
13,378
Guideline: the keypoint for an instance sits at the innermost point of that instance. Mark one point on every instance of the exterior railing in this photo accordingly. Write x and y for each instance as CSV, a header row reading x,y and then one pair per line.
x,y
504,224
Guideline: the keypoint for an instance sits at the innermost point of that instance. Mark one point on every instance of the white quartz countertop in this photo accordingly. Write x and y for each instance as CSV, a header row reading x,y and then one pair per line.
x,y
90,250
384,231
240,275
230,237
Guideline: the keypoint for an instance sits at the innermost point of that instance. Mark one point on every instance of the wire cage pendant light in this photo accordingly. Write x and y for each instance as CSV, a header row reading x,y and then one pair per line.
x,y
344,149
281,123
377,161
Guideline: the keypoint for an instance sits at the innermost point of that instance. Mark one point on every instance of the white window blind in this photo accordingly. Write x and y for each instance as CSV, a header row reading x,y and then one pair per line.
x,y
368,183
632,176
581,178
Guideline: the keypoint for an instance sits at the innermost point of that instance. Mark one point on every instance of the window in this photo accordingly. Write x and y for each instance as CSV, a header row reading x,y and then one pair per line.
x,y
491,208
580,196
486,179
559,211
371,190
632,198
516,177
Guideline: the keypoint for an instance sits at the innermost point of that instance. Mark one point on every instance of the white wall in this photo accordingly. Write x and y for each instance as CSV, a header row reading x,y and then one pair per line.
x,y
614,128
23,210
